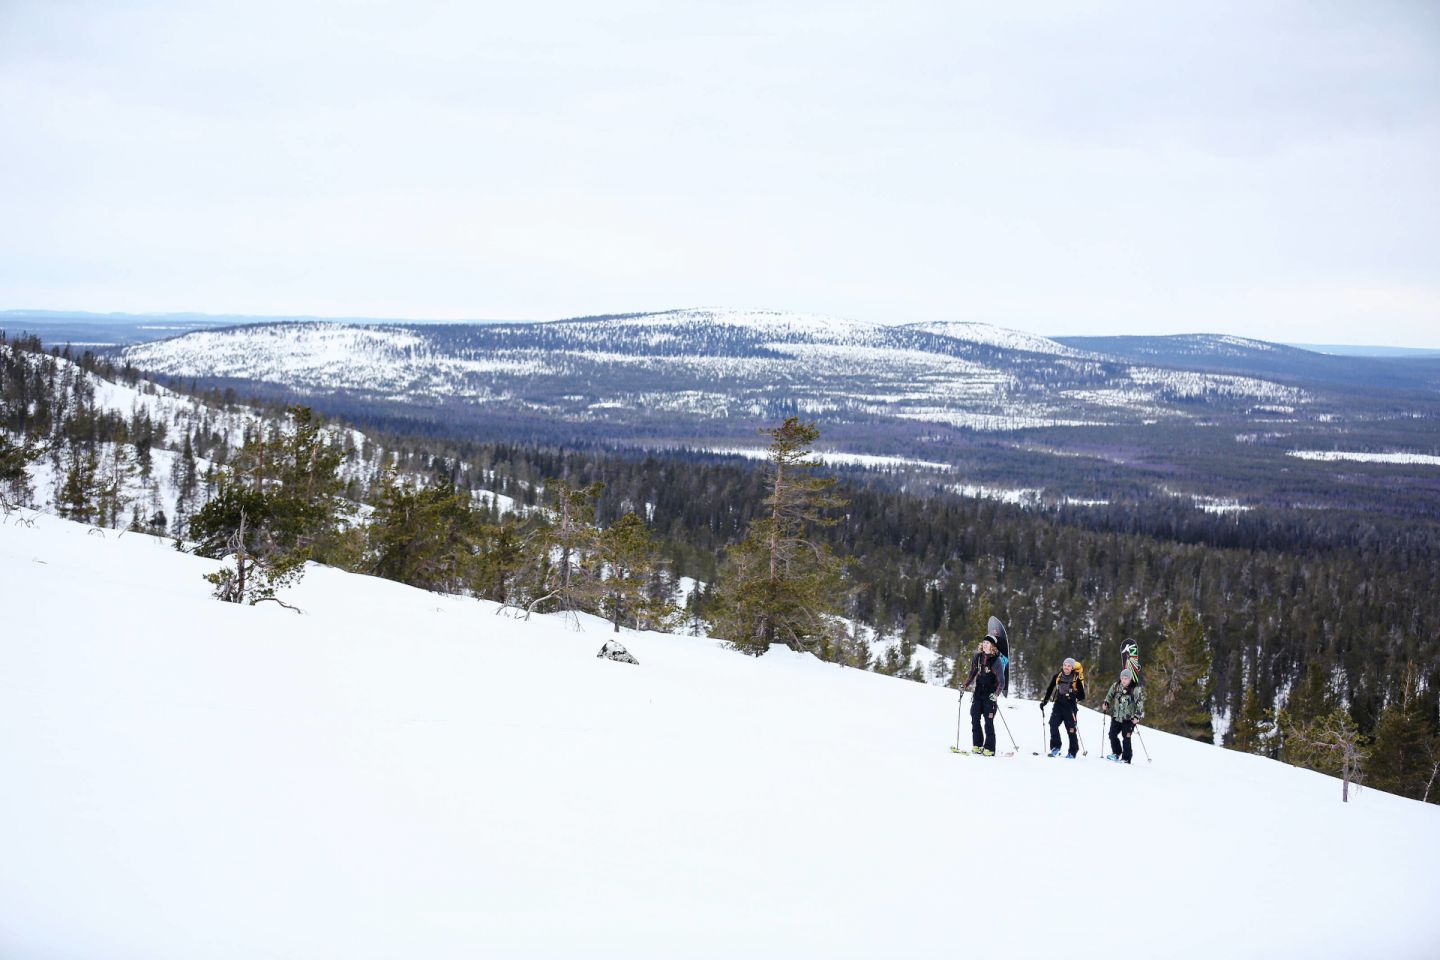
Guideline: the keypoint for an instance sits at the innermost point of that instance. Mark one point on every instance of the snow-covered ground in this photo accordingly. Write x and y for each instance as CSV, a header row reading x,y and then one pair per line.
x,y
400,774
836,458
1335,455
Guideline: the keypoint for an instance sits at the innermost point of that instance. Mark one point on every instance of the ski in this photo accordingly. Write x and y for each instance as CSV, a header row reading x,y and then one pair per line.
x,y
971,753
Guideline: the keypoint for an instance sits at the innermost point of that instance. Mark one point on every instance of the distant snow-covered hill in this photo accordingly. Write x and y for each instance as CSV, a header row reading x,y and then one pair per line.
x,y
395,773
708,365
1243,355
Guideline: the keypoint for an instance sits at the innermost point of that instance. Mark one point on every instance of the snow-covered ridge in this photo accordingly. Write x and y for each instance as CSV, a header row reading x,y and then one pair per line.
x,y
769,323
395,773
747,364
1358,457
994,336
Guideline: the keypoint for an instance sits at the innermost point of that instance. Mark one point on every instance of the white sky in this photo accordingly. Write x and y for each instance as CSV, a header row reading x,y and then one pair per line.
x,y
1264,168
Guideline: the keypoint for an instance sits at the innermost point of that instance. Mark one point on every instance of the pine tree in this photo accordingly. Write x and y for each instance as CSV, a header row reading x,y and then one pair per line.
x,y
424,536
15,458
628,555
778,585
1331,744
1404,740
1254,726
275,506
1179,680
501,560
560,548
79,493
237,524
1313,696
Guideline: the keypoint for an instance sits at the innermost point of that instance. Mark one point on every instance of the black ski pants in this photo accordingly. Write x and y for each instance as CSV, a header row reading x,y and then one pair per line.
x,y
1119,729
1064,711
982,708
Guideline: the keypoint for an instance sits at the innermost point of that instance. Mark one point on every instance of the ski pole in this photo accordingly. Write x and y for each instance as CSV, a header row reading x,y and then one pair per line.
x,y
1142,746
1015,746
1083,751
1103,742
959,713
1036,753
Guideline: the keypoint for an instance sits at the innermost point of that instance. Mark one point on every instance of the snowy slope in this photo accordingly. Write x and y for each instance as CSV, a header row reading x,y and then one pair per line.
x,y
994,336
400,774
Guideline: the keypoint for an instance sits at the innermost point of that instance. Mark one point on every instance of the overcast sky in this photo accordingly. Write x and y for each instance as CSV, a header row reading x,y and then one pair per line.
x,y
1262,168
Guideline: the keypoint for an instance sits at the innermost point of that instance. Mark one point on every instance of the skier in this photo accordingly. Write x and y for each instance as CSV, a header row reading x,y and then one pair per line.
x,y
1125,703
986,673
1069,688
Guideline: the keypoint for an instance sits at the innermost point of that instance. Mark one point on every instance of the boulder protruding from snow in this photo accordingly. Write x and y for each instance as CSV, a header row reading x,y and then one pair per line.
x,y
615,650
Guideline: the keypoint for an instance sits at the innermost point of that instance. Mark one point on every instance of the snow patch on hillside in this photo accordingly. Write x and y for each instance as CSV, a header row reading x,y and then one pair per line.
x,y
1359,457
836,458
993,336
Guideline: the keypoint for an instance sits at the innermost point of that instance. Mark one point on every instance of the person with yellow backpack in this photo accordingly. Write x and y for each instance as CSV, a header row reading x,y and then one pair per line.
x,y
1068,686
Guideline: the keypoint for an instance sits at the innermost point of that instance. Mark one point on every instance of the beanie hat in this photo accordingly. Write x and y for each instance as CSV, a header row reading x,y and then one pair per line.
x,y
1070,662
1127,675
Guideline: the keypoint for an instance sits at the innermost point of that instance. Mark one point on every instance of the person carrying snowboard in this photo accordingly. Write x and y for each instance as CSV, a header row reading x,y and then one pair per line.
x,y
1068,686
987,674
1125,703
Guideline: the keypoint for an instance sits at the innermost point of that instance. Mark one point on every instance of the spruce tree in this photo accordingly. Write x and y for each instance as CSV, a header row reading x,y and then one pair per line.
x,y
1404,741
1248,731
779,584
1180,681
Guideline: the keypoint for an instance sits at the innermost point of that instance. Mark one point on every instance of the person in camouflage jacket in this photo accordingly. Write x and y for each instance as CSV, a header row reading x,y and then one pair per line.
x,y
1125,703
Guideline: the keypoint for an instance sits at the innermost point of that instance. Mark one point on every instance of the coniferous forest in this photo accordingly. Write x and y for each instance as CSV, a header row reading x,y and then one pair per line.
x,y
1309,636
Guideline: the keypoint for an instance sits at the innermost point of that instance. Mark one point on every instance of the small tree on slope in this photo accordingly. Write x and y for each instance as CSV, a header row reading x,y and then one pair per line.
x,y
777,585
1331,744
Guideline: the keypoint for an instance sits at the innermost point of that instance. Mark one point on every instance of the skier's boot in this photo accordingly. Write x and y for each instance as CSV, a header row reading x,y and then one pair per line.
x,y
1054,751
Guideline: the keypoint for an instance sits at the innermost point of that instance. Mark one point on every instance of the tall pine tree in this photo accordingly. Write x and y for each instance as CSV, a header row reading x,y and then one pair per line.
x,y
1180,679
778,584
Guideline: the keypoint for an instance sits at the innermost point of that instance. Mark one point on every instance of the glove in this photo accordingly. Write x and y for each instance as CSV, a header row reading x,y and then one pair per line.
x,y
1042,707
